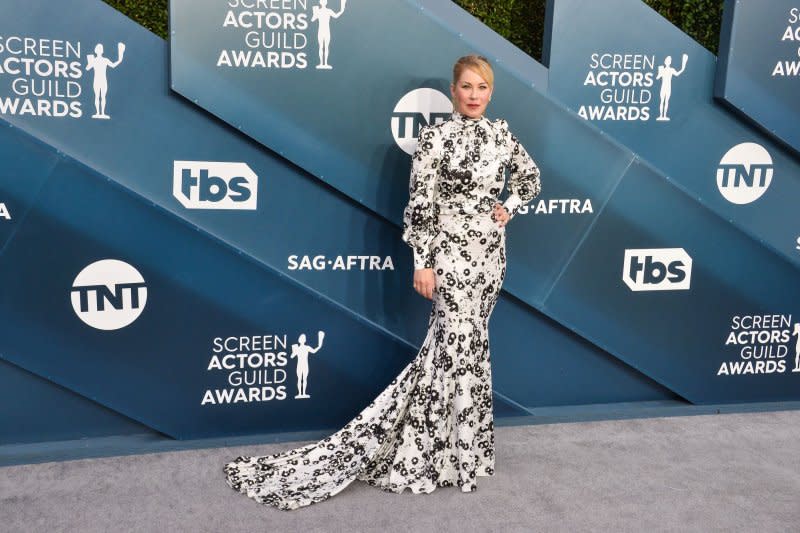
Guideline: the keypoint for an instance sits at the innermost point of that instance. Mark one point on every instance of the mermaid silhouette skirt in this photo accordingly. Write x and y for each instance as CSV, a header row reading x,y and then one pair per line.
x,y
433,424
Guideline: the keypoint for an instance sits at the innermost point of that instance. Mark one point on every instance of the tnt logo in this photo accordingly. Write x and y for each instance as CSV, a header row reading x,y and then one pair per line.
x,y
744,173
109,294
214,185
657,269
418,108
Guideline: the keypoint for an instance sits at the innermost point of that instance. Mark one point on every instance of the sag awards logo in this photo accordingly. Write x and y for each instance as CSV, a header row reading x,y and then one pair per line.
x,y
48,77
657,269
418,108
279,37
256,368
6,214
625,84
108,294
744,173
214,185
763,344
790,68
559,206
340,262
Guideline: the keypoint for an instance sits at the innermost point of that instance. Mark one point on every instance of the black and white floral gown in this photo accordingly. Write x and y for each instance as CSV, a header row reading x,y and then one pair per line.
x,y
433,424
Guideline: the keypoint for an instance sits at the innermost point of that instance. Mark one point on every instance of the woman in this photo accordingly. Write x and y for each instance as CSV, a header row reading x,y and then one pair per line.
x,y
433,425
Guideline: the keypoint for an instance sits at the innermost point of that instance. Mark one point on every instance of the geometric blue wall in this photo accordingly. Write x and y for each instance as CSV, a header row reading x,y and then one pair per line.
x,y
311,241
758,73
605,209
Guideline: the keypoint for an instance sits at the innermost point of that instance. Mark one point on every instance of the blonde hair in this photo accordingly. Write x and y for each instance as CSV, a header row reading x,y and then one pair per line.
x,y
479,64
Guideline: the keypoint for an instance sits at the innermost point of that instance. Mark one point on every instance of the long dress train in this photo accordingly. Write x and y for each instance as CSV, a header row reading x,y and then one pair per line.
x,y
433,424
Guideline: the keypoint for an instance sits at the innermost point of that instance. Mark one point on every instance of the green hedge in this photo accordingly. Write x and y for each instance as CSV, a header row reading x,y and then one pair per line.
x,y
700,19
152,14
519,21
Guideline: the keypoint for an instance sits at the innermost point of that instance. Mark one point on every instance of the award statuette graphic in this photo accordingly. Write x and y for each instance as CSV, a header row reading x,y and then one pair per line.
x,y
665,74
796,333
100,64
302,351
323,15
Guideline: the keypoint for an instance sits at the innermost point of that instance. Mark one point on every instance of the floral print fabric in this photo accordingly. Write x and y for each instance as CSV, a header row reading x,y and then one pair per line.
x,y
433,424
459,168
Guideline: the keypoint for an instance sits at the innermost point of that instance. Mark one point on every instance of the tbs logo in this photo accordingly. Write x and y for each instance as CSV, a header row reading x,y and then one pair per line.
x,y
214,185
657,269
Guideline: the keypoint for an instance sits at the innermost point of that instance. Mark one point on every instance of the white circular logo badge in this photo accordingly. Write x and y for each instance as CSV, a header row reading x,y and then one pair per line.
x,y
108,294
417,108
744,173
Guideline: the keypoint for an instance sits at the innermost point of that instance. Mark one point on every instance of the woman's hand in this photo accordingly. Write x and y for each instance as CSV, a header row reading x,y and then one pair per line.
x,y
501,214
424,282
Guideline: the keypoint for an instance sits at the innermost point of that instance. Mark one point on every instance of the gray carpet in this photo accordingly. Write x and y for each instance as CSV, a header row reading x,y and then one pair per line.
x,y
731,472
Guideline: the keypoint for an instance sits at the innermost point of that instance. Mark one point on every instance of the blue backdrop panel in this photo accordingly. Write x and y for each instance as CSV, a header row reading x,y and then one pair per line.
x,y
289,110
596,54
150,128
541,239
162,359
758,72
37,410
542,363
682,337
537,362
27,162
235,276
334,123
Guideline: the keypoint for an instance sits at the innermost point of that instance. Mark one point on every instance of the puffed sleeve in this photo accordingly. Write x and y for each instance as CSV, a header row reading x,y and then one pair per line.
x,y
523,183
419,216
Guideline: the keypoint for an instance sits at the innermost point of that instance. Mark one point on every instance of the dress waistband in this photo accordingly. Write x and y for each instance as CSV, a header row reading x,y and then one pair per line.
x,y
476,219
455,211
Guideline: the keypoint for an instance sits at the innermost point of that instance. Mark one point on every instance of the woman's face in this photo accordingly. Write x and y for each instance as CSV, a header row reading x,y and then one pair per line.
x,y
471,93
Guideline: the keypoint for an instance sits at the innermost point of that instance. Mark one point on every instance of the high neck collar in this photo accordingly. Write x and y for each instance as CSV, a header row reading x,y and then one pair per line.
x,y
464,119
